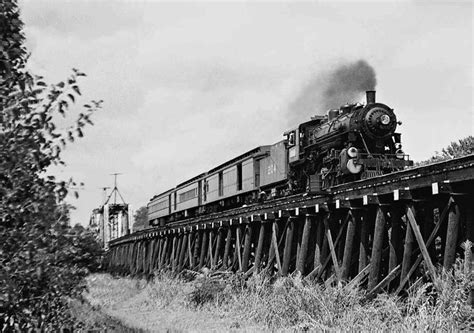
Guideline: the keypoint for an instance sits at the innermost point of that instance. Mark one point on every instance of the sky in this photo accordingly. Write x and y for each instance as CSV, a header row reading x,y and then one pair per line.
x,y
189,85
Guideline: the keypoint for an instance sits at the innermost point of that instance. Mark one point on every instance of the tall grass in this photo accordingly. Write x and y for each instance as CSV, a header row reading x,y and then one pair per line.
x,y
288,303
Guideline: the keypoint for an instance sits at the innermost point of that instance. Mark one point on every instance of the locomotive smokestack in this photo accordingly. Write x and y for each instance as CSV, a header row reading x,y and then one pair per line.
x,y
370,96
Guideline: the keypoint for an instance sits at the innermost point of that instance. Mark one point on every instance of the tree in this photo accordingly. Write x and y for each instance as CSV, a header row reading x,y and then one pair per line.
x,y
140,218
457,149
42,259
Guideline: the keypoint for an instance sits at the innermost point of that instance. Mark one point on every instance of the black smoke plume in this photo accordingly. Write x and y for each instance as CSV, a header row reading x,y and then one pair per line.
x,y
346,83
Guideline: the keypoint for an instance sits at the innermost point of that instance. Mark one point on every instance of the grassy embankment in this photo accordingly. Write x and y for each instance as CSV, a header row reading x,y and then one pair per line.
x,y
228,303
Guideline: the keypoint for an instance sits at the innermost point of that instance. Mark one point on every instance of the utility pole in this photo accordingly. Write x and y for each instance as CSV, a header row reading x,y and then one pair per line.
x,y
115,190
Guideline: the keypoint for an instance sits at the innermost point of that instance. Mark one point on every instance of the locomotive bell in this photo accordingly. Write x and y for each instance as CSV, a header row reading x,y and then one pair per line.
x,y
332,114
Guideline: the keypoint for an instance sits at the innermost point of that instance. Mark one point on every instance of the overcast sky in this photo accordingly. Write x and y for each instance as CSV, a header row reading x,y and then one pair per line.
x,y
189,85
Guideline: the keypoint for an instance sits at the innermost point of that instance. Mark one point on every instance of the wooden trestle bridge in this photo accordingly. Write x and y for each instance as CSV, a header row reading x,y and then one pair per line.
x,y
374,233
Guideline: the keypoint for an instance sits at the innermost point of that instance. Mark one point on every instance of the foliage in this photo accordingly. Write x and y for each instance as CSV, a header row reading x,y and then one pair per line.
x,y
205,291
223,303
12,51
42,259
140,218
457,149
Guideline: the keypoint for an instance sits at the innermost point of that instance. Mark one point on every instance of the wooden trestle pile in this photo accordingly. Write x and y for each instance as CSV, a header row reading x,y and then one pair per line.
x,y
373,233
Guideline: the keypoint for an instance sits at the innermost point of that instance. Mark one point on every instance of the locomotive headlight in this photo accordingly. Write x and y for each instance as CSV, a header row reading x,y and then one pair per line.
x,y
352,152
385,119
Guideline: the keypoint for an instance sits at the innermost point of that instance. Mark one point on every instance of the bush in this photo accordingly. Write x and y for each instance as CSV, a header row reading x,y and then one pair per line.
x,y
42,259
294,303
219,301
205,291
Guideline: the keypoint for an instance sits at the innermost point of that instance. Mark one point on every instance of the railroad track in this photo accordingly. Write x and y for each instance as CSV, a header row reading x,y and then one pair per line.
x,y
453,171
373,232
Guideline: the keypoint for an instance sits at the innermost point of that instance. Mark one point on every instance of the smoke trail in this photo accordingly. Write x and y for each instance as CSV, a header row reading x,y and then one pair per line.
x,y
331,89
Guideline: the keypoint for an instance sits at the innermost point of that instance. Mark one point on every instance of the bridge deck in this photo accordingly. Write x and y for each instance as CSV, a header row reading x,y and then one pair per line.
x,y
373,232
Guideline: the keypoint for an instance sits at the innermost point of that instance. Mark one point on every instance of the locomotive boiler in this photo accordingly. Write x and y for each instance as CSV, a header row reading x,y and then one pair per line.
x,y
353,142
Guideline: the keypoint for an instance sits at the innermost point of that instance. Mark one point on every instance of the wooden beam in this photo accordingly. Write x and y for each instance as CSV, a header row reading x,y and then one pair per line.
x,y
313,273
202,256
421,244
150,256
355,282
211,240
162,251
247,247
197,248
190,253
275,247
328,258
299,237
364,242
220,237
259,251
288,247
182,252
393,274
228,243
173,251
334,257
301,259
451,236
377,244
238,246
156,255
348,247
319,244
432,237
396,239
407,251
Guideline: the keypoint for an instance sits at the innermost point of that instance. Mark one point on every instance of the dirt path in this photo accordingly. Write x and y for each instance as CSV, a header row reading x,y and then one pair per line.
x,y
157,306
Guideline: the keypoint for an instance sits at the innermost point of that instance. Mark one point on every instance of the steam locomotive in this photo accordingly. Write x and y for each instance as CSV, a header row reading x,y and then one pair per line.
x,y
350,143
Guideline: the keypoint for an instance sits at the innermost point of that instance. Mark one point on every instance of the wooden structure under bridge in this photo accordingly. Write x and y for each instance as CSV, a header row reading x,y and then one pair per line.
x,y
374,233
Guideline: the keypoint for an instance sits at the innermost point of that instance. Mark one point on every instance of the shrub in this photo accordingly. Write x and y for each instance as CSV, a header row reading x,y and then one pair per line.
x,y
42,259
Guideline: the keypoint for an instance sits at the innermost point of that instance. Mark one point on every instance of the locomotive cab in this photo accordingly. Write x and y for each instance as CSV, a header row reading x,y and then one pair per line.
x,y
293,145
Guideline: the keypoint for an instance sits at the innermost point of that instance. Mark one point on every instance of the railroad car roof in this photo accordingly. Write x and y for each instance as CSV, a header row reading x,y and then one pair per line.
x,y
255,151
252,152
162,193
189,181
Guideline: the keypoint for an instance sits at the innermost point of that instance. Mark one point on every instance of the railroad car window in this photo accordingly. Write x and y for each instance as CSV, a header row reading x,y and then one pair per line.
x,y
291,139
159,206
188,195
239,177
221,184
